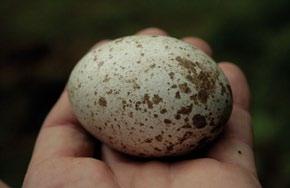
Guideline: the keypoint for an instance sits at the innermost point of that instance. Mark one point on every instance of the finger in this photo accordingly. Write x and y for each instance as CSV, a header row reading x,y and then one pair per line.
x,y
61,134
151,31
239,85
235,146
101,42
199,43
240,120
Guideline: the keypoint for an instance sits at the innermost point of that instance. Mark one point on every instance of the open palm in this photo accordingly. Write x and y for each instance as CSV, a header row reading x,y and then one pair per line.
x,y
63,154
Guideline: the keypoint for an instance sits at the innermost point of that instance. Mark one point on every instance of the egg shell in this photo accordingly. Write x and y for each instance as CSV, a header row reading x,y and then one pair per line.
x,y
150,96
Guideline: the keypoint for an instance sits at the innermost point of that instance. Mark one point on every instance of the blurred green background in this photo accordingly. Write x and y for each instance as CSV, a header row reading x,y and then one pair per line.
x,y
40,42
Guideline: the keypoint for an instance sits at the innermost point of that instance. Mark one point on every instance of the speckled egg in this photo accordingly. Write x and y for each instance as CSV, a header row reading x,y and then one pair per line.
x,y
150,96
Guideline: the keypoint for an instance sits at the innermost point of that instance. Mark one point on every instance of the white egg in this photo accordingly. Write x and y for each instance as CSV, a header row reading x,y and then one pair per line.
x,y
150,96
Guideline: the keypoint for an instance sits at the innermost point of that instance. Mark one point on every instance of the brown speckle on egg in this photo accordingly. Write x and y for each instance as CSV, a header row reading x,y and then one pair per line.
x,y
185,109
156,99
146,100
148,140
199,121
163,111
184,88
167,121
177,95
102,101
159,138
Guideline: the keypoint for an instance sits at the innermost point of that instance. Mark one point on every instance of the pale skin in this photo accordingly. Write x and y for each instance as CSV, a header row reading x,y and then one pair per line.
x,y
63,153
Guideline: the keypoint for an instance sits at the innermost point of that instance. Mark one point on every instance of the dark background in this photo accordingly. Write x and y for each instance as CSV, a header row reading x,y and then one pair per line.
x,y
40,42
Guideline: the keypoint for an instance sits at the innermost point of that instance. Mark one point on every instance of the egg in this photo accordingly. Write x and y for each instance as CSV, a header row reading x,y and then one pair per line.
x,y
150,96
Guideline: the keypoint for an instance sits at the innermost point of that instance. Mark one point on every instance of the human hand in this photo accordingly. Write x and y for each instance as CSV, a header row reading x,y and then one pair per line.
x,y
63,154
